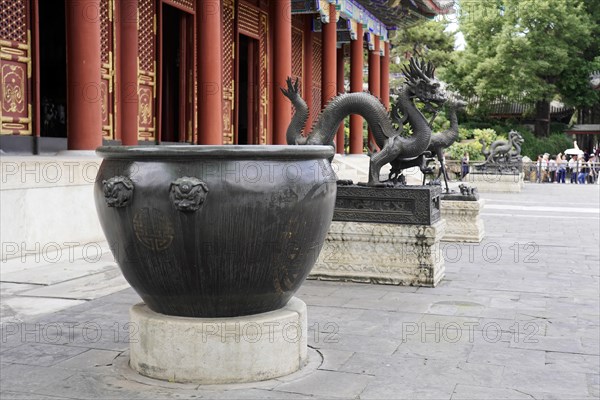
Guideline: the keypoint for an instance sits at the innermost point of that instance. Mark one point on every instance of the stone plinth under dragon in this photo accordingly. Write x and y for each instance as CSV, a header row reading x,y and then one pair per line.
x,y
502,170
490,182
390,254
461,211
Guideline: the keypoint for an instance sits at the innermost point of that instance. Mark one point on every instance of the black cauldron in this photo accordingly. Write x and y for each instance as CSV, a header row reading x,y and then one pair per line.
x,y
215,231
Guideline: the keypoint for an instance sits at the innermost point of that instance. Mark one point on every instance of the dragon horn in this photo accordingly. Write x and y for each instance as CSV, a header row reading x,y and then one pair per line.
x,y
408,72
418,69
430,70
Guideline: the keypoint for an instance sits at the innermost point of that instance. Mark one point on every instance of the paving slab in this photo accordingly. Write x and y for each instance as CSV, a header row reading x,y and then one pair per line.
x,y
385,388
473,392
88,287
19,308
55,273
329,384
90,359
40,354
546,380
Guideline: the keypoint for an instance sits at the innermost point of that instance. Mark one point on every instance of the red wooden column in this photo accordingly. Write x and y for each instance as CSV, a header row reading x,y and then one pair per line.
x,y
281,19
129,72
329,51
84,102
374,76
210,88
356,85
375,70
308,67
339,140
385,77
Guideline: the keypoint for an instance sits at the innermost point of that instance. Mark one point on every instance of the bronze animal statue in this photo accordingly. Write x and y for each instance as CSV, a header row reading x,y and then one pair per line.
x,y
502,150
421,85
436,147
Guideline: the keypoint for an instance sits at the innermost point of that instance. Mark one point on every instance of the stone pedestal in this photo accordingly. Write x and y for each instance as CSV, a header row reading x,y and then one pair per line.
x,y
219,350
463,220
496,182
381,253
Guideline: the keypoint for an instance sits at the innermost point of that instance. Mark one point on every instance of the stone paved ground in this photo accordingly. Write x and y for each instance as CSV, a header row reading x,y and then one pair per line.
x,y
517,317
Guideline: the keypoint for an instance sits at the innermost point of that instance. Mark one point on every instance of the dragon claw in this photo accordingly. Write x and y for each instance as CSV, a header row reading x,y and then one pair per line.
x,y
292,88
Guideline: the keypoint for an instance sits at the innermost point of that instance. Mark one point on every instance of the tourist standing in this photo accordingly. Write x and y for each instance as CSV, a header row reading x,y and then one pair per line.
x,y
583,168
464,165
552,167
593,169
545,167
561,168
538,178
573,168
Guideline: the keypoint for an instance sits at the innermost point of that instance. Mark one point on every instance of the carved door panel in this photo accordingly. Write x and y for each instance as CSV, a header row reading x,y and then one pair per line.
x,y
147,69
298,56
263,109
15,68
107,69
316,83
228,17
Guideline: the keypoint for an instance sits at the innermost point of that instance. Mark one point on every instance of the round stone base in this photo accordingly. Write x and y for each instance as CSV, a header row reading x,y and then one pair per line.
x,y
219,350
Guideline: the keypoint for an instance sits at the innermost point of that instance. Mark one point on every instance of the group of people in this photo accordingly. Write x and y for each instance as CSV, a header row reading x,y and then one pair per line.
x,y
580,169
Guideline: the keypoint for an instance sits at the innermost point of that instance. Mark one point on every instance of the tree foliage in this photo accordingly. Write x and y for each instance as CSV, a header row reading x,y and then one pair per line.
x,y
428,40
527,50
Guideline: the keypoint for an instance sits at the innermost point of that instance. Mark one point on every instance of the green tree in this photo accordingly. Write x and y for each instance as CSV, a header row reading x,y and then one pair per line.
x,y
525,50
427,40
574,84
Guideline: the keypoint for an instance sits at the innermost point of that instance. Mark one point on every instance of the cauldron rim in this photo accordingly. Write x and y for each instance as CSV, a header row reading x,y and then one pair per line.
x,y
179,152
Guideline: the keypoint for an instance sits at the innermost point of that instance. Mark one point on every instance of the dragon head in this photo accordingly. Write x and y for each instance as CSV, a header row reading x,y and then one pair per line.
x,y
515,137
422,83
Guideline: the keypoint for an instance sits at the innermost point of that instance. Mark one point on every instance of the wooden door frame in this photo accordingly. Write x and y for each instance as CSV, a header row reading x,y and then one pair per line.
x,y
186,63
253,117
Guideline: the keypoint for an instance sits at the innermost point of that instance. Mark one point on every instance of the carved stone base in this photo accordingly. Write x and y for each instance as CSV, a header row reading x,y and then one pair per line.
x,y
389,254
463,222
494,182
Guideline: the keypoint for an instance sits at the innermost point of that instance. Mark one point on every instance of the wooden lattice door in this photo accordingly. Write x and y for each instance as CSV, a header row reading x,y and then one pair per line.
x,y
15,68
316,82
228,12
147,69
107,67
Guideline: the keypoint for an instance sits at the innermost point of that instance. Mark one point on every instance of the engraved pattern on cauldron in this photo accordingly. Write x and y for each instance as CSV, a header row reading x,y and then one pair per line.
x,y
118,191
188,193
283,198
153,229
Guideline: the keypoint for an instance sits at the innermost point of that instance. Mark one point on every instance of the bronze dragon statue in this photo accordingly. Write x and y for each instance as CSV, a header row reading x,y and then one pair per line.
x,y
503,155
421,84
502,150
436,147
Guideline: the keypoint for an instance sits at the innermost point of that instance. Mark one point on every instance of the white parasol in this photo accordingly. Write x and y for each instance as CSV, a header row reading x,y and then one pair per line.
x,y
575,151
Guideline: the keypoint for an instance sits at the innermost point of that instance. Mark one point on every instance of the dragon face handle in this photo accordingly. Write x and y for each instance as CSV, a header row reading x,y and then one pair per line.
x,y
118,191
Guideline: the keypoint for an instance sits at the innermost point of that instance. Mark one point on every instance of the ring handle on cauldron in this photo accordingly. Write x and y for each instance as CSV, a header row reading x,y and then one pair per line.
x,y
188,193
118,191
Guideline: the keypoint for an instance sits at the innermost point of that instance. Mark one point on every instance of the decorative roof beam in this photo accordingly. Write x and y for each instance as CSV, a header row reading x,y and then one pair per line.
x,y
320,7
